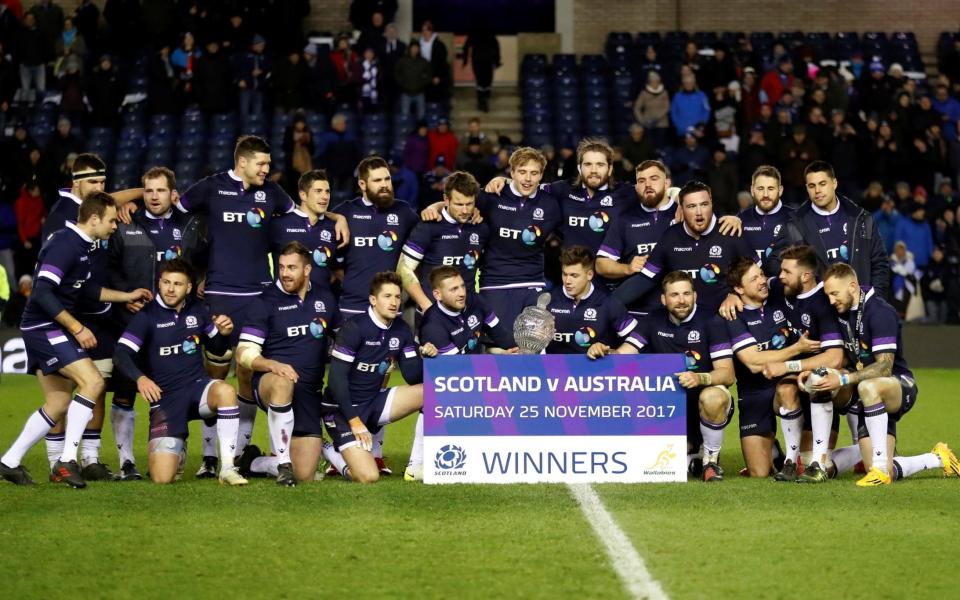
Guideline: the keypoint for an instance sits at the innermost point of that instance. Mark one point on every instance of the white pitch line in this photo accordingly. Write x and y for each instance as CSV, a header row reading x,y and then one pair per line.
x,y
626,561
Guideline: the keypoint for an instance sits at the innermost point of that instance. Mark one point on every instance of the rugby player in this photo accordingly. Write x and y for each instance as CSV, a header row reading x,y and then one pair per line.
x,y
763,221
89,174
368,348
694,245
520,218
454,240
632,236
681,326
583,313
309,225
453,324
57,343
760,335
878,378
160,352
284,343
134,255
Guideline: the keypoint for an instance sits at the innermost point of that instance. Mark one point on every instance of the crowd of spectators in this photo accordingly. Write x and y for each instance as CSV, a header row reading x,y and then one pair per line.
x,y
891,137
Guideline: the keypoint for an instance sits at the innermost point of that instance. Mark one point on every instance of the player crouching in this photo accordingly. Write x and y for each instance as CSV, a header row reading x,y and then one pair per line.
x,y
368,348
164,338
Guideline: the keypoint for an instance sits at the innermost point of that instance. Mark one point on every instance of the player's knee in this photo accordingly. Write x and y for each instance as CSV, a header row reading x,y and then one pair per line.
x,y
713,404
788,397
365,475
161,479
282,391
869,391
223,394
92,386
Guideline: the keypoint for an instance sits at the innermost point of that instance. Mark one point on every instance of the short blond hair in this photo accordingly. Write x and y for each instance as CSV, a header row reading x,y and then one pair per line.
x,y
525,154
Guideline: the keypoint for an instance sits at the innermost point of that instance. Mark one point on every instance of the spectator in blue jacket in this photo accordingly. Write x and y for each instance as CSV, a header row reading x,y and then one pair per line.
x,y
949,107
915,232
886,218
689,106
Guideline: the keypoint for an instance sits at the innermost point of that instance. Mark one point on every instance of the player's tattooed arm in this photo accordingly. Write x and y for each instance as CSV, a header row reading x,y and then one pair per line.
x,y
882,368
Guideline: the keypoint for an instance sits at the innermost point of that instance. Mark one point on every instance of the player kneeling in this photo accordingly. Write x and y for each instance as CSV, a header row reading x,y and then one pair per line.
x,y
160,352
680,328
368,348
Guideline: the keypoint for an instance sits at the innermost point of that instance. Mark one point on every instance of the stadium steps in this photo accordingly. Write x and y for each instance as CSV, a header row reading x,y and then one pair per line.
x,y
503,118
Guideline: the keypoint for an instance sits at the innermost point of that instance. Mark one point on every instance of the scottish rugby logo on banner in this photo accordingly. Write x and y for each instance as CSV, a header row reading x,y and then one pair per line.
x,y
554,418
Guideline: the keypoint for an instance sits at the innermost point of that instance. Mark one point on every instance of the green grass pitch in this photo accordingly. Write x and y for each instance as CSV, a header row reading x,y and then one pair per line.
x,y
741,538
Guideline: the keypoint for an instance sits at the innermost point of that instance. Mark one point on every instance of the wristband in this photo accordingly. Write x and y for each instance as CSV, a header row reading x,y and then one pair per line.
x,y
844,379
793,366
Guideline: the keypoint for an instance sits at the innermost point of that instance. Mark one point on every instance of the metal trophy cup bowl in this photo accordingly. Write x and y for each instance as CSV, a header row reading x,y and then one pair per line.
x,y
534,328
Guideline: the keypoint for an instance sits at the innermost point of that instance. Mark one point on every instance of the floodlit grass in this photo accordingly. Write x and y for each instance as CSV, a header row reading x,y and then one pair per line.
x,y
741,538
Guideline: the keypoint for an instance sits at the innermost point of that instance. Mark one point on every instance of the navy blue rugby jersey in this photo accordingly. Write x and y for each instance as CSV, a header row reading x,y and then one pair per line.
x,y
376,237
701,338
587,219
292,330
765,327
320,238
595,318
879,333
238,229
447,242
459,332
760,229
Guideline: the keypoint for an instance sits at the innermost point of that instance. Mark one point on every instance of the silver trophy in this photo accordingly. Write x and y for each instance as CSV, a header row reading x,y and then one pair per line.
x,y
534,328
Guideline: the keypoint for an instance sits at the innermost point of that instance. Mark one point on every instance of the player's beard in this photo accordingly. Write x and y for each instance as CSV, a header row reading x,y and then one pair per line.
x,y
681,313
292,285
653,201
595,183
383,199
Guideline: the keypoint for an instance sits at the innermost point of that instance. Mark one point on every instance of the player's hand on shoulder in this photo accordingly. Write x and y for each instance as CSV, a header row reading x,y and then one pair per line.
x,y
730,225
201,287
495,185
223,324
341,228
142,295
477,217
432,212
598,350
125,212
731,306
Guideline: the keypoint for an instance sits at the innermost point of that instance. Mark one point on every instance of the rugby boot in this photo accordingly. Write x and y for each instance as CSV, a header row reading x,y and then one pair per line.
x,y
97,472
128,472
285,475
712,472
16,475
68,473
814,473
951,466
413,473
231,476
787,473
874,477
382,467
208,468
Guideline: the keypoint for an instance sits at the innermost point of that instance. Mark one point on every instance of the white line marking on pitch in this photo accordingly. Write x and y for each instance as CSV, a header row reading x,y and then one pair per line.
x,y
626,561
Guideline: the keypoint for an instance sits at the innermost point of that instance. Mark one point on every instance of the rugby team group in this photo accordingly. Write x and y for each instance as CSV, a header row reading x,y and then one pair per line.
x,y
153,292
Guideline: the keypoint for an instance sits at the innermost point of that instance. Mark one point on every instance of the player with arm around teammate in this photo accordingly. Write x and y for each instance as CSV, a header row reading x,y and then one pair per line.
x,y
57,344
682,327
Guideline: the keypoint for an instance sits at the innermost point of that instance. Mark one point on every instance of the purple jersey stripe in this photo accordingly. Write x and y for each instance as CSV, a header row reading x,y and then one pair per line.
x,y
131,338
344,350
884,340
52,268
742,337
719,347
254,331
